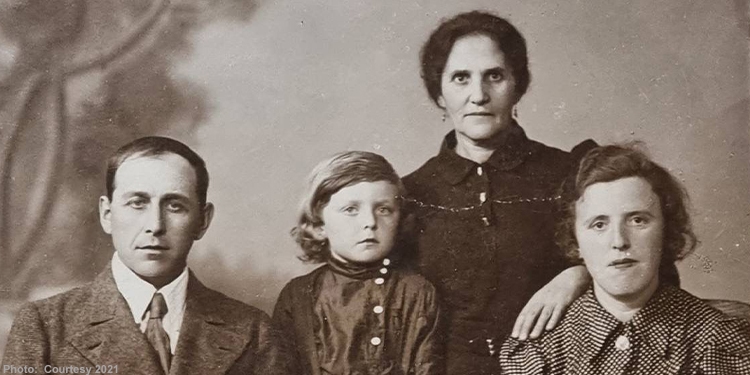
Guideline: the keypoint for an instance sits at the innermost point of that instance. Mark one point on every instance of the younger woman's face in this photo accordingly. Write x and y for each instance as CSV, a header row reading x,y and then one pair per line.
x,y
361,221
620,228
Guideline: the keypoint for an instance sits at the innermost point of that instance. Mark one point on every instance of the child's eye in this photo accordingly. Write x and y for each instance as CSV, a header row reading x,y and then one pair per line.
x,y
350,210
385,210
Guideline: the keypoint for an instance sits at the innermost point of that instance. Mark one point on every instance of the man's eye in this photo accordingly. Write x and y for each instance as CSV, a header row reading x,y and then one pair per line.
x,y
175,207
137,203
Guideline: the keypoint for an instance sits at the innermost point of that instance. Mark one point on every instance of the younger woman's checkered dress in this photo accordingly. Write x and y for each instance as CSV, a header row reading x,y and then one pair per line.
x,y
675,333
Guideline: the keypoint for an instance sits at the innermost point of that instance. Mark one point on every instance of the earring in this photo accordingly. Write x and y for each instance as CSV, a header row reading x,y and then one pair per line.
x,y
443,116
515,113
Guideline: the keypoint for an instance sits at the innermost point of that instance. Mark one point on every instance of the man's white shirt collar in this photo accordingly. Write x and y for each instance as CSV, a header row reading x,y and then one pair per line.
x,y
138,294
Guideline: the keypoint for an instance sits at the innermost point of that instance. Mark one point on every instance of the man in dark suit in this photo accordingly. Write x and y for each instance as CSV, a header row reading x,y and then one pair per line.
x,y
147,313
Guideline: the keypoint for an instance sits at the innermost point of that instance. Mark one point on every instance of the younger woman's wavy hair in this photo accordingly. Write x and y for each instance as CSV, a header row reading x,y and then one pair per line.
x,y
327,178
614,162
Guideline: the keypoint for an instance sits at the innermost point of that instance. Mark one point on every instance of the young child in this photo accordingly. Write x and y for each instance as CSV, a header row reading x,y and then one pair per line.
x,y
358,313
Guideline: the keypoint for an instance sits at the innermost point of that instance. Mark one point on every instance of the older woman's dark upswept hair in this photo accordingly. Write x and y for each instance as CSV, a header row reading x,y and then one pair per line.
x,y
611,163
438,47
327,178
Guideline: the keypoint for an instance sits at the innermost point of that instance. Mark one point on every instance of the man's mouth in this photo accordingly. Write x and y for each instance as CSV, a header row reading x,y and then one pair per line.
x,y
152,247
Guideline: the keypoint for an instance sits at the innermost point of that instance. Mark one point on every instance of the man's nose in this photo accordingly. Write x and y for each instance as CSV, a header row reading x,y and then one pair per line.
x,y
155,220
620,238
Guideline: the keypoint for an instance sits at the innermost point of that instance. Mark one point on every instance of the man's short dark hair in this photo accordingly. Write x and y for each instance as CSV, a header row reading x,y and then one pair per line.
x,y
154,146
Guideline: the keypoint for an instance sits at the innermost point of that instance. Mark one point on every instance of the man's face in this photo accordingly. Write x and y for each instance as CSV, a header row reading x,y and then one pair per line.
x,y
154,215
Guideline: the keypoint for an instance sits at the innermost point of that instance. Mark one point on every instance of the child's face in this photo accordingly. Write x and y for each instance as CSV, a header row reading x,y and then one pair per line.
x,y
361,221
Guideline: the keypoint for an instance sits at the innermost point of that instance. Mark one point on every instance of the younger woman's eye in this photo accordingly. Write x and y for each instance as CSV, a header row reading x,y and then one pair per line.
x,y
598,225
351,210
495,77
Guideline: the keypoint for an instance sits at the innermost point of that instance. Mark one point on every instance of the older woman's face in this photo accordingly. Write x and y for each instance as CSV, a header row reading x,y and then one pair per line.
x,y
619,228
478,89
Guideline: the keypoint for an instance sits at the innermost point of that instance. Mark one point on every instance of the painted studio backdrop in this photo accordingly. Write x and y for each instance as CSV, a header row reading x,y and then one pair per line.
x,y
265,89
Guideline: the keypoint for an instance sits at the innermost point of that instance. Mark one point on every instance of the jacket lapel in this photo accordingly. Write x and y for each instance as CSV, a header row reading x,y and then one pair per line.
x,y
111,336
208,344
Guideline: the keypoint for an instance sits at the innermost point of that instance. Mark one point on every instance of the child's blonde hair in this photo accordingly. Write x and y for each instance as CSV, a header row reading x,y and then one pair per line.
x,y
327,178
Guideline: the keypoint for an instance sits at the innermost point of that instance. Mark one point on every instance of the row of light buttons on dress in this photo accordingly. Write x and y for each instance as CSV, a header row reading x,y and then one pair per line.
x,y
380,309
483,197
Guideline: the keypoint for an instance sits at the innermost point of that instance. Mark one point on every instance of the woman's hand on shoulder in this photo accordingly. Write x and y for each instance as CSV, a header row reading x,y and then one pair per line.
x,y
545,309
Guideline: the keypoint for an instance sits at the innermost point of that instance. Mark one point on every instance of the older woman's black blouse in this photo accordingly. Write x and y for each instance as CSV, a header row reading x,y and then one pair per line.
x,y
485,235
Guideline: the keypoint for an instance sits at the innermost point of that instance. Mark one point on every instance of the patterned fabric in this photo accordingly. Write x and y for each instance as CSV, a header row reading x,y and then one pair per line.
x,y
485,238
675,333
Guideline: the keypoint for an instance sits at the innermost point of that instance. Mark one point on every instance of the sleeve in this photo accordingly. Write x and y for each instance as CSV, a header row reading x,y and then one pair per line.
x,y
521,357
283,322
430,342
28,344
267,353
728,350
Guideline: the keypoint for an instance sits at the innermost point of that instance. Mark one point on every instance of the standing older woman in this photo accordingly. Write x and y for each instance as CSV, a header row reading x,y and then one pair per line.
x,y
626,217
485,203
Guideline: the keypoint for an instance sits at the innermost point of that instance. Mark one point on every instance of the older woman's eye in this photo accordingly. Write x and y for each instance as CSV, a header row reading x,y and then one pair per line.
x,y
460,78
639,220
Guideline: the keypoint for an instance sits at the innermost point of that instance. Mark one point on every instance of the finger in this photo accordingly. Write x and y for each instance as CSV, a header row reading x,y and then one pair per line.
x,y
528,323
518,324
555,318
541,322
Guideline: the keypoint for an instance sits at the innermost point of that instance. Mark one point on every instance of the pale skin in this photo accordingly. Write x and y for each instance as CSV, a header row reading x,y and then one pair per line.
x,y
620,230
478,95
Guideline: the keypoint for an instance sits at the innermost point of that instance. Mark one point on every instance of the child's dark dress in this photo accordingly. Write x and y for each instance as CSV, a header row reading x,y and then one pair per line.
x,y
362,320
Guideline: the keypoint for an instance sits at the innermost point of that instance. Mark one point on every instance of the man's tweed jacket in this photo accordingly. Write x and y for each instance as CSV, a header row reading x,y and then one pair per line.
x,y
92,326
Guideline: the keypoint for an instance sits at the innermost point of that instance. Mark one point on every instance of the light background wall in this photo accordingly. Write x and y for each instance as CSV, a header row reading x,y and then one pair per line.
x,y
304,79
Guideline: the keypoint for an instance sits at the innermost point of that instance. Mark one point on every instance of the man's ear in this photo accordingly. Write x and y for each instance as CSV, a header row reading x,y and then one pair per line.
x,y
206,216
105,214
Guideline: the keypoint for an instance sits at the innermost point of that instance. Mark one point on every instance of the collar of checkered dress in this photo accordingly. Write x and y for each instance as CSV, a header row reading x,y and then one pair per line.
x,y
653,325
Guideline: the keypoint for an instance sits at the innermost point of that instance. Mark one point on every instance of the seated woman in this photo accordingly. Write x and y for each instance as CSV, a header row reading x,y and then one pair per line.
x,y
626,217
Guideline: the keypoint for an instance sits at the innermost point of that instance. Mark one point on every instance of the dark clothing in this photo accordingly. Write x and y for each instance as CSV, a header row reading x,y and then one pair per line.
x,y
386,322
92,326
485,237
675,333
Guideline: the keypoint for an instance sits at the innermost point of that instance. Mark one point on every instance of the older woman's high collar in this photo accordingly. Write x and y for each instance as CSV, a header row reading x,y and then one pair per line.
x,y
511,154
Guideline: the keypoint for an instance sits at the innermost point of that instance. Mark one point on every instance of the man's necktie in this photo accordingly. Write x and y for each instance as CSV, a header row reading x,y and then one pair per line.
x,y
155,332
